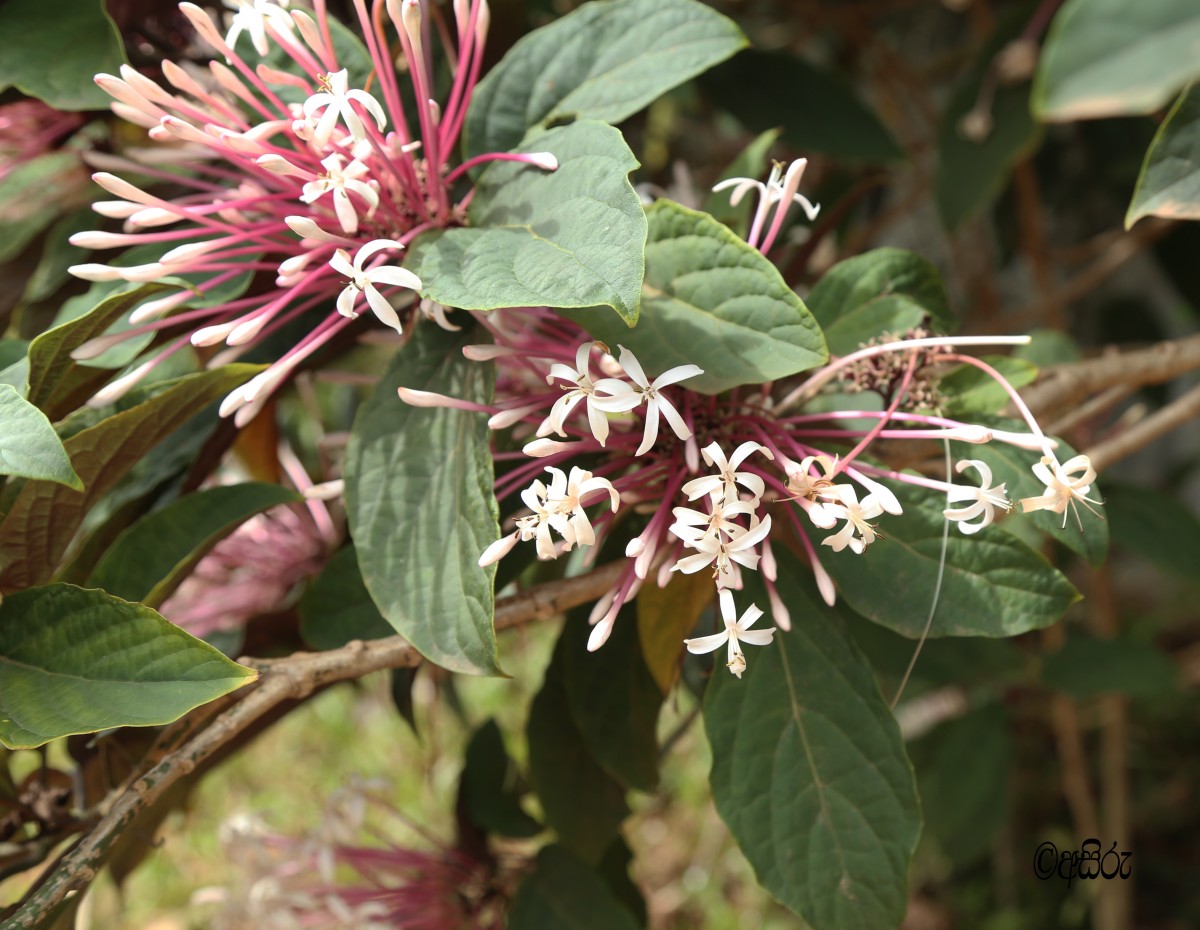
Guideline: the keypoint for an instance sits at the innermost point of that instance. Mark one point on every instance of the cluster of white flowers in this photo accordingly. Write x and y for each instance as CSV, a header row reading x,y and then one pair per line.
x,y
558,506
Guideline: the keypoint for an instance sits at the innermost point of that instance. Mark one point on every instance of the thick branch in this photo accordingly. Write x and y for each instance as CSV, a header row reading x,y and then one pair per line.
x,y
282,679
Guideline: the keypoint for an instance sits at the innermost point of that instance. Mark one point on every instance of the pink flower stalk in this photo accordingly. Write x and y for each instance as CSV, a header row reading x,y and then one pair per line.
x,y
731,469
256,568
281,165
330,880
29,128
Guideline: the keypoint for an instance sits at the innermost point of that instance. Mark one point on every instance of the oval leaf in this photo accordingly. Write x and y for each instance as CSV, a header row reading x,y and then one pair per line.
x,y
57,383
567,238
1115,58
1169,183
44,518
566,894
149,560
76,661
53,57
421,505
713,301
29,447
565,772
337,607
993,585
809,770
604,61
818,110
888,272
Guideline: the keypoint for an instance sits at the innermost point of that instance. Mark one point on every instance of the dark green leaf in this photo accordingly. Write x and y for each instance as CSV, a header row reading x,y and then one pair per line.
x,y
1169,183
969,391
77,661
581,801
565,894
1156,526
29,446
614,869
819,112
149,560
489,787
858,281
44,517
567,238
963,769
337,607
892,314
973,171
23,211
421,505
57,383
57,256
604,61
712,300
614,699
994,585
1115,58
809,769
1086,667
1014,468
53,57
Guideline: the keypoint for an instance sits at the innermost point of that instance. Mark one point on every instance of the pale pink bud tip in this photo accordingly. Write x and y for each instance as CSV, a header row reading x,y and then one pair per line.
x,y
498,550
545,160
540,448
415,398
485,353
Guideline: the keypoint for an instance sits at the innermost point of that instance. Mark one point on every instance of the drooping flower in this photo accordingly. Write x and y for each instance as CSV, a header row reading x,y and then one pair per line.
x,y
363,280
1066,484
857,534
985,499
737,631
779,192
625,396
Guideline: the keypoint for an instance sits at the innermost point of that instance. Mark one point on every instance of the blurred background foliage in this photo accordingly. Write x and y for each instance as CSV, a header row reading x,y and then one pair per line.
x,y
938,127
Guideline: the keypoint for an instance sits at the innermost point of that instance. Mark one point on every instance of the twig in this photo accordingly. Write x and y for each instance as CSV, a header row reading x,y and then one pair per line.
x,y
1077,416
1141,434
1064,386
282,679
1064,718
1078,287
1113,908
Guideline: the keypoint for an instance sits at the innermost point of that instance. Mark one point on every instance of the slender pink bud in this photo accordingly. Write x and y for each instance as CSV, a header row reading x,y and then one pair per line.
x,y
499,549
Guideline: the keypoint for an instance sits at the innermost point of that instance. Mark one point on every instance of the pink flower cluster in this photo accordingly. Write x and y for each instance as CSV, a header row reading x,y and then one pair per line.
x,y
282,168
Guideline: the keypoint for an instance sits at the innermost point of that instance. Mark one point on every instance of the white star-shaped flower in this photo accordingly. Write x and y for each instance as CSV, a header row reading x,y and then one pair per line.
x,y
624,396
342,182
569,502
363,281
857,534
723,485
253,17
1066,484
775,189
338,101
718,552
585,388
736,632
718,520
984,499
